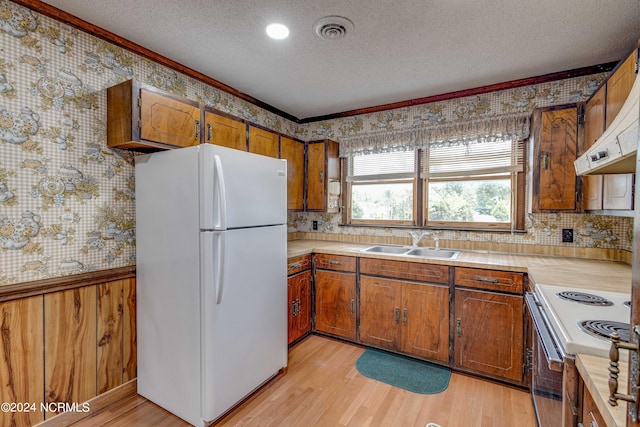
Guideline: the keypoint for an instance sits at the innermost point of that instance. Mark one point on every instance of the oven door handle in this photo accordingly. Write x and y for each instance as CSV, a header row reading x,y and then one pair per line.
x,y
551,352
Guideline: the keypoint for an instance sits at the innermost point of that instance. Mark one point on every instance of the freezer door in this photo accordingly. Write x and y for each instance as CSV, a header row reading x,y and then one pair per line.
x,y
244,313
239,189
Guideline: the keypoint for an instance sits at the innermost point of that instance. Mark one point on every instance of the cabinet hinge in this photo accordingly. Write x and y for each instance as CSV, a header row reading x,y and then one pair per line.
x,y
528,361
139,102
139,124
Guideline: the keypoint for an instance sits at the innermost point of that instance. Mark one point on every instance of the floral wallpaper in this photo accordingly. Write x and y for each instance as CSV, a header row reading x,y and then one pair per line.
x,y
67,201
592,231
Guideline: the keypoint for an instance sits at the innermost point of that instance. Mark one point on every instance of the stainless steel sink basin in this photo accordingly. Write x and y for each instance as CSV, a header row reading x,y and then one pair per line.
x,y
388,249
417,252
434,253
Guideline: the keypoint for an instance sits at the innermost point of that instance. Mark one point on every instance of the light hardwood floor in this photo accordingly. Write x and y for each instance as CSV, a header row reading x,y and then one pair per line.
x,y
323,388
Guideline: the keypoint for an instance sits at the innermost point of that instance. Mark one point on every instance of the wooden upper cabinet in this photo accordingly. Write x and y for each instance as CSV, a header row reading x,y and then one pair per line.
x,y
610,192
225,131
168,120
555,134
263,142
593,128
142,117
323,166
293,152
619,86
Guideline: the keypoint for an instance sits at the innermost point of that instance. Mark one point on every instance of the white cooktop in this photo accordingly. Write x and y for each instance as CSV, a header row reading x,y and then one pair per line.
x,y
565,316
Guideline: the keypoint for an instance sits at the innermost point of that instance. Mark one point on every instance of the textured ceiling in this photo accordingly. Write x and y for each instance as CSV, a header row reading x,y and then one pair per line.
x,y
399,50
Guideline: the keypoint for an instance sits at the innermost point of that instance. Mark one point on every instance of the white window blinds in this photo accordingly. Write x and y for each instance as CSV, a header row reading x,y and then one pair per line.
x,y
382,166
472,158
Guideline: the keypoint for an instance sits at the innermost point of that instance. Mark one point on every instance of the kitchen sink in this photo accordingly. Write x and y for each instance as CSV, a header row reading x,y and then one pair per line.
x,y
417,252
388,249
434,253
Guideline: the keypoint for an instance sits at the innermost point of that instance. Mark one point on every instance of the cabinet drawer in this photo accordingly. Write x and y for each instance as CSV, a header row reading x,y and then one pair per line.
x,y
335,262
298,264
503,281
405,270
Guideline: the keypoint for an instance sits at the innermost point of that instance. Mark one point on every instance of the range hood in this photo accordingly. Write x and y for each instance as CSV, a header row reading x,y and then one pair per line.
x,y
615,151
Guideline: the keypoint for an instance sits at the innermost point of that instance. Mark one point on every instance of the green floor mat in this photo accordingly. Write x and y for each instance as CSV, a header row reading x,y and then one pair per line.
x,y
403,372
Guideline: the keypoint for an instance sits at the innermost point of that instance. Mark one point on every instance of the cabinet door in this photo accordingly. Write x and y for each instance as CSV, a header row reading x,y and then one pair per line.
x,y
557,144
167,120
425,315
380,312
316,189
224,131
618,191
299,305
263,142
593,129
293,152
323,165
489,333
619,86
336,303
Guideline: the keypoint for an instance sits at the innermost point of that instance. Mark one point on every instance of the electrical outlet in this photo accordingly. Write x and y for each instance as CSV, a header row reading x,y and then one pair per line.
x,y
567,235
315,225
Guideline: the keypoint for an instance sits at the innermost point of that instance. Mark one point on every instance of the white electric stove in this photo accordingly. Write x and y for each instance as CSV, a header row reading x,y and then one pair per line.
x,y
606,312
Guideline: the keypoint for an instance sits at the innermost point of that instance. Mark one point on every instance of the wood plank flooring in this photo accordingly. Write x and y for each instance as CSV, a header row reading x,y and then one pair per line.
x,y
323,388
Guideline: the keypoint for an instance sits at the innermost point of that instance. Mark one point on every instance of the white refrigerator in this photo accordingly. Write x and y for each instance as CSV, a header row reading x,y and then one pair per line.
x,y
211,277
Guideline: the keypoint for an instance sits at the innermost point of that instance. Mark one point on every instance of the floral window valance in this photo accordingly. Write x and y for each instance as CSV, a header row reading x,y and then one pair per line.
x,y
499,128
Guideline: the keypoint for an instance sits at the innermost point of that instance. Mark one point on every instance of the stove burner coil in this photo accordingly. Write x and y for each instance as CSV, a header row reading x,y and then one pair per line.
x,y
604,328
584,298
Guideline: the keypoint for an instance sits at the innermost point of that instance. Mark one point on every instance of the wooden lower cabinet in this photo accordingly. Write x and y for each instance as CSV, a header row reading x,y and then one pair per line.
x,y
590,413
299,293
405,316
489,334
336,303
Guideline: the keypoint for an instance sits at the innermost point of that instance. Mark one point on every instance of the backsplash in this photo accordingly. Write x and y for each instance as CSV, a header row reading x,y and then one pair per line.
x,y
590,231
67,201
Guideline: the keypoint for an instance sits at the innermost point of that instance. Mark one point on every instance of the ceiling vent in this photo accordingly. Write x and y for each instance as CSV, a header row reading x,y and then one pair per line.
x,y
332,27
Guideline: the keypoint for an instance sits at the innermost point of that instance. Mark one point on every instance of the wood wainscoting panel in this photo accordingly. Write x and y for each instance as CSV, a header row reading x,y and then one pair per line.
x,y
110,347
70,349
21,359
129,337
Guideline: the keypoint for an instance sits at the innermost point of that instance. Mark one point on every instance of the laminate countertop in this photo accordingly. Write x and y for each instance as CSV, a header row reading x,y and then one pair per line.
x,y
558,271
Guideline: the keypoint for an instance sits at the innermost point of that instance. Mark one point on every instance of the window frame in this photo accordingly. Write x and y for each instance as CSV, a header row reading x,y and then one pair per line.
x,y
474,224
384,222
420,200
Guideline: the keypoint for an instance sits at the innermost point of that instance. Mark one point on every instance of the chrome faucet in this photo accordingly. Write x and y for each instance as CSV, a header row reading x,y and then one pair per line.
x,y
418,235
436,239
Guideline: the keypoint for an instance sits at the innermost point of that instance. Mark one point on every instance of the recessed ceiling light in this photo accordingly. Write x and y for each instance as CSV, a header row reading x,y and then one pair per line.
x,y
277,31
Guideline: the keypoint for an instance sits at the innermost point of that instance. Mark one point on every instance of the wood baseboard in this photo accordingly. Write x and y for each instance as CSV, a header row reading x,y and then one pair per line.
x,y
96,405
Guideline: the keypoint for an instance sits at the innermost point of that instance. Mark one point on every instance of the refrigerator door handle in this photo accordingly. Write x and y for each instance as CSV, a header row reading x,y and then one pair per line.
x,y
220,258
222,197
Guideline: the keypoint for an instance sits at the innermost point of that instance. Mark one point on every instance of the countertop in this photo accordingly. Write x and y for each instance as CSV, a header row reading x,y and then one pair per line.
x,y
559,271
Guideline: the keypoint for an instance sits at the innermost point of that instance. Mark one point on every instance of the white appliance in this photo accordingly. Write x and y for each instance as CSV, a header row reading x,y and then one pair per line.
x,y
565,318
211,277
